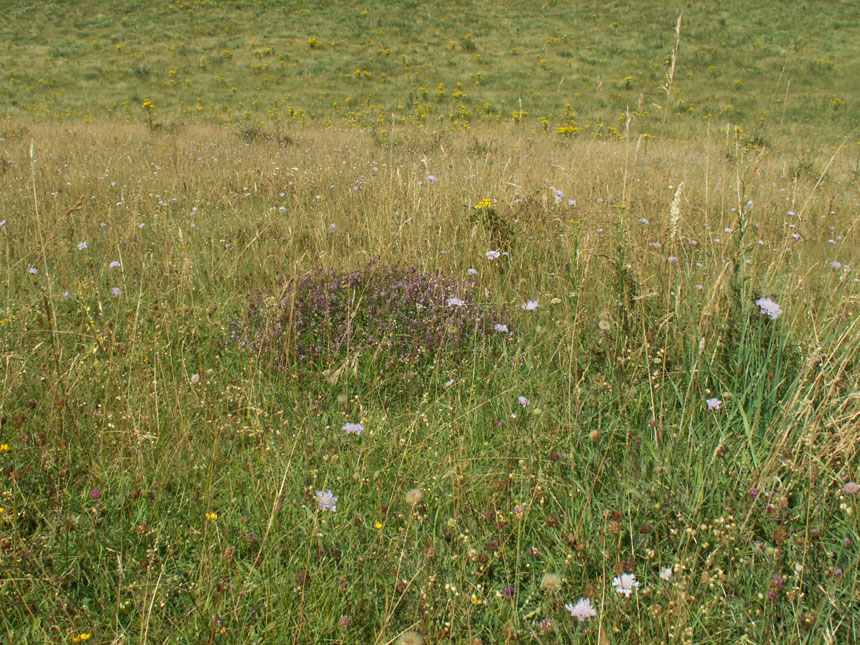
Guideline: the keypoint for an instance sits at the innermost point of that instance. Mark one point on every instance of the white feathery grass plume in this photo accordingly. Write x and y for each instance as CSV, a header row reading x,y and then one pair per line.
x,y
675,211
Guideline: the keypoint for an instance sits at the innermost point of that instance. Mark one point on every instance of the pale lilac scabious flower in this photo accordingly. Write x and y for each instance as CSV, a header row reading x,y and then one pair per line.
x,y
432,178
455,302
116,291
492,255
582,609
523,400
352,428
714,404
472,271
499,327
769,308
625,583
326,501
82,246
851,488
530,305
32,270
558,196
114,265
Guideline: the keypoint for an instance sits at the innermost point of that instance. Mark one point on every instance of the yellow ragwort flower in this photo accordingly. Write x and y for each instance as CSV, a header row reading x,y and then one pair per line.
x,y
211,516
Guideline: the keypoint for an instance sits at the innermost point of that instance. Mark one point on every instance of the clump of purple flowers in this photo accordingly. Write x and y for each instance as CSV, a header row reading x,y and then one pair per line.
x,y
393,313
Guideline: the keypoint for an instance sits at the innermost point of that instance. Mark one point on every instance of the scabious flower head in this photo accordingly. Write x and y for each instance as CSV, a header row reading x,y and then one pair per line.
x,y
581,610
455,302
665,573
530,305
499,327
851,488
472,271
492,255
625,583
352,428
714,404
114,265
116,291
523,400
326,501
769,308
82,246
558,196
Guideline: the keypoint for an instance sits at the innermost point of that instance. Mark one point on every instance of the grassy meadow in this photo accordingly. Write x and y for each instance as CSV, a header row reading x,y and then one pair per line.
x,y
292,353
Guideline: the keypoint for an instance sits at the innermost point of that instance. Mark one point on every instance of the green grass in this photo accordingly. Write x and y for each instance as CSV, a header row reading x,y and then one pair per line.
x,y
785,72
158,480
616,464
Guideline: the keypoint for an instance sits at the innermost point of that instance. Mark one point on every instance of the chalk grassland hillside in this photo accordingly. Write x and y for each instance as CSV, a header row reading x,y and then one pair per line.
x,y
778,69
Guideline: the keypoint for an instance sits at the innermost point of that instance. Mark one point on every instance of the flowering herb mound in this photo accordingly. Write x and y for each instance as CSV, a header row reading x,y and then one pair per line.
x,y
392,315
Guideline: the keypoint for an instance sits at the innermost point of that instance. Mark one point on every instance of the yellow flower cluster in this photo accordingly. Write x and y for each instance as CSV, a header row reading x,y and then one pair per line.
x,y
484,204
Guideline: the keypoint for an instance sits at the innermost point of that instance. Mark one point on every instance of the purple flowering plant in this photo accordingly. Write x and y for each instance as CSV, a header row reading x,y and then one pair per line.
x,y
396,314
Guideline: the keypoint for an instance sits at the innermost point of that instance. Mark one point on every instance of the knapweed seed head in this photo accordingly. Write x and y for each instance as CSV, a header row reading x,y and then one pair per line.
x,y
414,496
410,638
550,583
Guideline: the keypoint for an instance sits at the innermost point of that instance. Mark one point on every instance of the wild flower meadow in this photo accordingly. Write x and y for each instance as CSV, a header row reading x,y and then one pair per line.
x,y
447,362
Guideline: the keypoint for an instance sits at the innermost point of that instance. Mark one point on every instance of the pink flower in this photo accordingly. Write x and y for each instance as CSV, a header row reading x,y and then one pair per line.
x,y
352,428
851,488
326,501
581,610
625,583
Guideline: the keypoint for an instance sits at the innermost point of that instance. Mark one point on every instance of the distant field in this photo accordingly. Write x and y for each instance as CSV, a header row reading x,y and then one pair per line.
x,y
785,70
